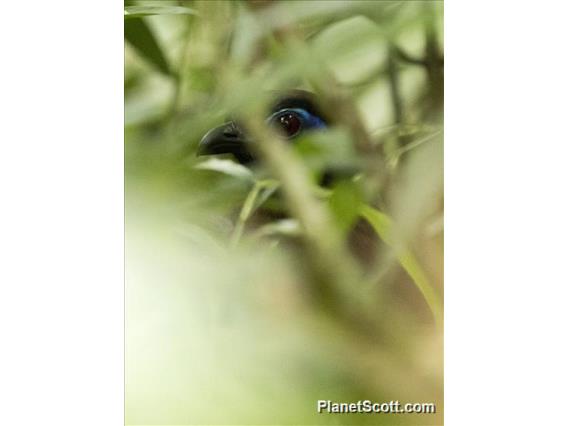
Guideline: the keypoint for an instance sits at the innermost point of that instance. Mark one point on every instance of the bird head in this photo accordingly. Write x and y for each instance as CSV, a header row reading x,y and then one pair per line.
x,y
291,114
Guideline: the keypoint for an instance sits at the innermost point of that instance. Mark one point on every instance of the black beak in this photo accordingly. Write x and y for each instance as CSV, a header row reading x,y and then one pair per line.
x,y
226,139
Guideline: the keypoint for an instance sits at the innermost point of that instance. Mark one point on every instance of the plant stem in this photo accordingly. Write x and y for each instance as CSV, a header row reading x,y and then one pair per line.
x,y
245,213
382,225
336,275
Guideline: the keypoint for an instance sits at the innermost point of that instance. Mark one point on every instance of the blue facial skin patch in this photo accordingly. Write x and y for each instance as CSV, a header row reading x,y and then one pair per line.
x,y
308,120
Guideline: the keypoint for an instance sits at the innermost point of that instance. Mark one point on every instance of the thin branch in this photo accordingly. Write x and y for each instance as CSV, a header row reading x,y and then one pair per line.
x,y
394,85
335,273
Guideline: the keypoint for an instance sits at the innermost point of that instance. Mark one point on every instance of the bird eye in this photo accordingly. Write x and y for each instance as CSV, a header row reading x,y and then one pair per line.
x,y
289,123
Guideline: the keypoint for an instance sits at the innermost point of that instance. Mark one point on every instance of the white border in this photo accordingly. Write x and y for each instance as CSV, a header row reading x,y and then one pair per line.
x,y
506,212
61,224
61,231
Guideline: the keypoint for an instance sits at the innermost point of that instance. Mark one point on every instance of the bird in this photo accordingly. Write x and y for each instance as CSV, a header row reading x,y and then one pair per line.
x,y
292,113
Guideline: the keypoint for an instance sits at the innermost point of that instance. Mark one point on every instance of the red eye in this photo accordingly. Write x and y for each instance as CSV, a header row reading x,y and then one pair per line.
x,y
289,123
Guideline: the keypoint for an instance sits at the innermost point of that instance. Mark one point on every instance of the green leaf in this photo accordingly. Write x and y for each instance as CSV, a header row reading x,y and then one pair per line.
x,y
382,225
140,36
140,11
345,204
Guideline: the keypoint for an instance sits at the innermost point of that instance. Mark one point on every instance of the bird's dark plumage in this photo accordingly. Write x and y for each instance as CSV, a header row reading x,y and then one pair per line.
x,y
292,113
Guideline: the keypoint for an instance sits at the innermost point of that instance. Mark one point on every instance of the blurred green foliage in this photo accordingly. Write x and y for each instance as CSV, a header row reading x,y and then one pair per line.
x,y
252,293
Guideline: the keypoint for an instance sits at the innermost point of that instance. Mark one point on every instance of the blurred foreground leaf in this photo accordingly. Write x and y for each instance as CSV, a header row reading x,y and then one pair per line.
x,y
140,36
286,227
226,167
